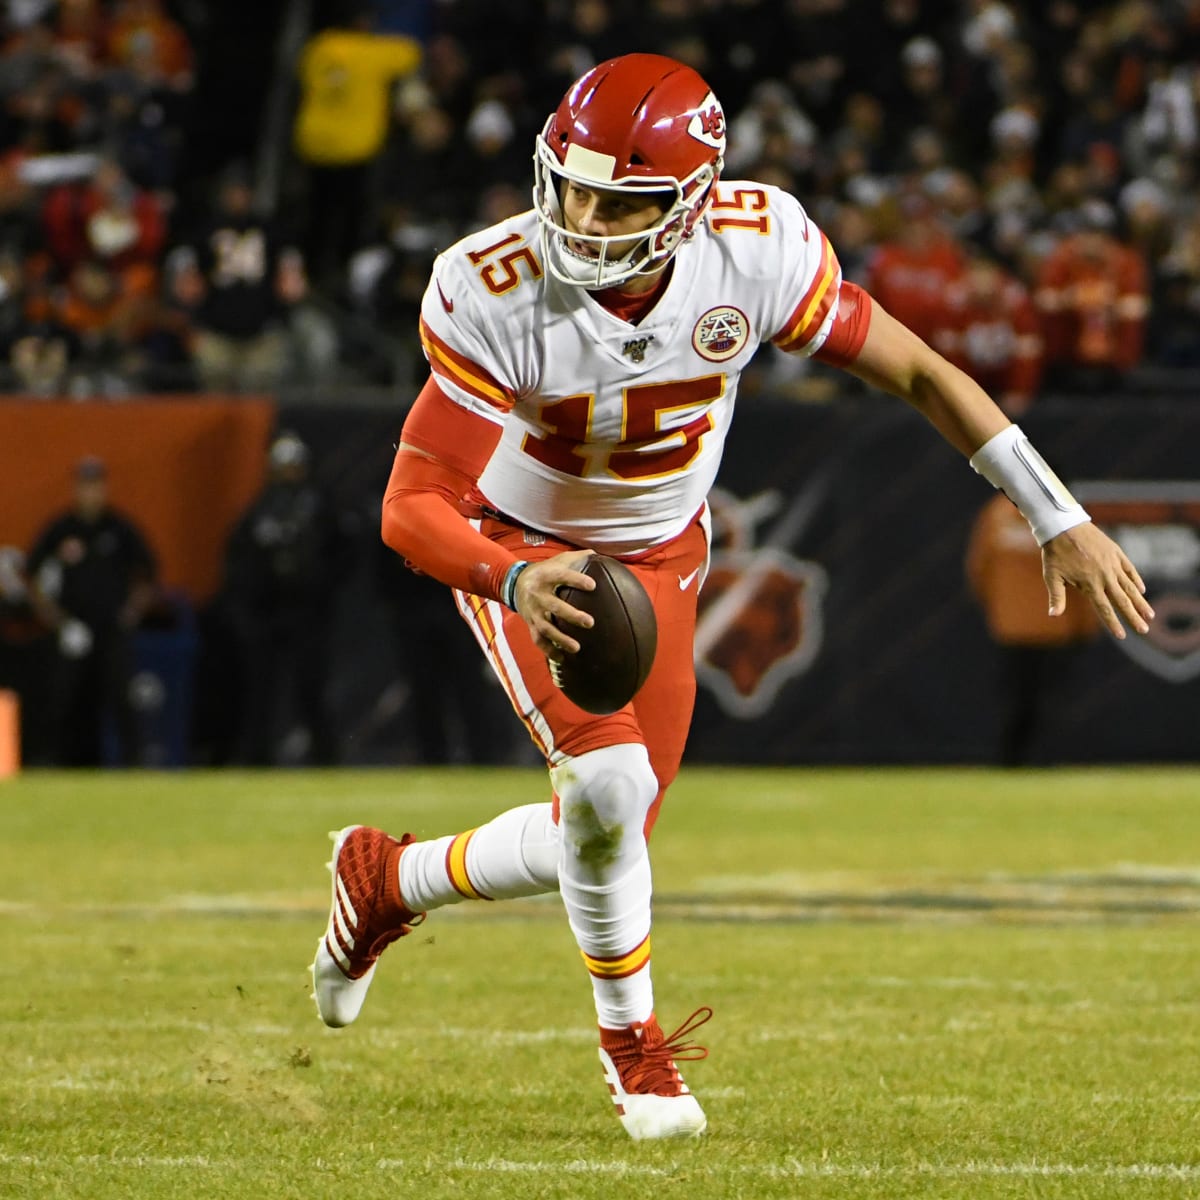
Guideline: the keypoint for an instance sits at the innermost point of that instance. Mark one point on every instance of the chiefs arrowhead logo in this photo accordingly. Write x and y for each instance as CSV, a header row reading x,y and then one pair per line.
x,y
708,123
1157,524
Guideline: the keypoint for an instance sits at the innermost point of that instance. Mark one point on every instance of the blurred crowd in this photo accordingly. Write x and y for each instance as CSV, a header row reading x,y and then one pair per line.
x,y
1016,180
111,281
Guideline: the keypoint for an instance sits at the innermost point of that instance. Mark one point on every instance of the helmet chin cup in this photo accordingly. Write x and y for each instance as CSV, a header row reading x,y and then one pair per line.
x,y
577,270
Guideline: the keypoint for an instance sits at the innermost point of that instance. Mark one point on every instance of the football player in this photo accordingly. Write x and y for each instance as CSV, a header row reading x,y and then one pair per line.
x,y
584,362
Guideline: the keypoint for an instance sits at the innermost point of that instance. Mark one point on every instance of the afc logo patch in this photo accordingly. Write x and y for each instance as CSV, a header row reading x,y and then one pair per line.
x,y
721,333
635,348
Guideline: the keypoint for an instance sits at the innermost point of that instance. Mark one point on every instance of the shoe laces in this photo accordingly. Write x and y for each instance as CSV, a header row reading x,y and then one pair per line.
x,y
649,1062
385,939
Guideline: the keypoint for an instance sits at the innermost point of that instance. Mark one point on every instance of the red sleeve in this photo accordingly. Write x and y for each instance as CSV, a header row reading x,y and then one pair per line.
x,y
423,517
461,439
849,329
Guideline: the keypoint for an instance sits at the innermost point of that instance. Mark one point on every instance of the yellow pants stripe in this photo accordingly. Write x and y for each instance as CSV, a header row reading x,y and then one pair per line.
x,y
492,635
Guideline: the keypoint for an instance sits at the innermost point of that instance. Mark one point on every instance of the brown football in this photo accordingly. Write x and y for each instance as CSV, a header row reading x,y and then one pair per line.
x,y
616,654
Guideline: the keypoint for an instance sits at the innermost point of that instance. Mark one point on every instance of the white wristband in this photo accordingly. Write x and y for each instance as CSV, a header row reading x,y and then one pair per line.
x,y
1009,462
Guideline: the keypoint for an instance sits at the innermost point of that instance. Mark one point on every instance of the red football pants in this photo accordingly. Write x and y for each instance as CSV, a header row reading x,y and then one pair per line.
x,y
659,715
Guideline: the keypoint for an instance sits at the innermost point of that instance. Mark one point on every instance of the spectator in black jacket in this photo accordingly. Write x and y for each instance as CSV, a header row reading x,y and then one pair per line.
x,y
285,560
93,578
238,279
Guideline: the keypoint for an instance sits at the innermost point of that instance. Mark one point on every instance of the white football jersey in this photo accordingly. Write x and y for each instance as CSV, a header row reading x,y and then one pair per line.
x,y
612,432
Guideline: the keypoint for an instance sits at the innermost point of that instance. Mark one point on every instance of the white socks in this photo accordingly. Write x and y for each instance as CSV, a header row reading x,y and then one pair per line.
x,y
604,874
596,857
516,854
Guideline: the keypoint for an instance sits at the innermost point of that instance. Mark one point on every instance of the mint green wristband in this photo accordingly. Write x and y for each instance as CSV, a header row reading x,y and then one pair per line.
x,y
508,589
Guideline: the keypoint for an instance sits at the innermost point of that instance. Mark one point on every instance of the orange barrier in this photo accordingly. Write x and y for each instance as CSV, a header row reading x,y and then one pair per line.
x,y
183,469
10,734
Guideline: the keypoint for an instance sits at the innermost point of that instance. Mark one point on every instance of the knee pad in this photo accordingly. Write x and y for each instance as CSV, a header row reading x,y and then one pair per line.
x,y
604,796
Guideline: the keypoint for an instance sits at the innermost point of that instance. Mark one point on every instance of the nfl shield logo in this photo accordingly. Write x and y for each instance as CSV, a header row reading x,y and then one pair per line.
x,y
1157,524
635,348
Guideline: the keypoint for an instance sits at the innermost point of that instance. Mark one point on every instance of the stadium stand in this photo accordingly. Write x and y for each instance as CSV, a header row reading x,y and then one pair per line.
x,y
1016,179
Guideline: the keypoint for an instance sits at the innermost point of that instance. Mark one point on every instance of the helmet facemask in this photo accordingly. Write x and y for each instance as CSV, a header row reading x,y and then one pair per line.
x,y
652,248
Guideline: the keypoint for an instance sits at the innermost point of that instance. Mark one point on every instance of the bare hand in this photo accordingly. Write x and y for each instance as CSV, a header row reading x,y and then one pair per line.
x,y
1087,558
538,601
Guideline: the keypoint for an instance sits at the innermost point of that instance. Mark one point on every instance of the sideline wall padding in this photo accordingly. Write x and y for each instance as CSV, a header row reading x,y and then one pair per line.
x,y
183,469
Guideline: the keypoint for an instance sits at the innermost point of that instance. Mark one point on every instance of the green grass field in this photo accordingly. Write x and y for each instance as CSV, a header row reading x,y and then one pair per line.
x,y
926,983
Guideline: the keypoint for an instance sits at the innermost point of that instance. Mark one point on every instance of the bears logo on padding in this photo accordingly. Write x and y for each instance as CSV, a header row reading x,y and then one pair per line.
x,y
1157,524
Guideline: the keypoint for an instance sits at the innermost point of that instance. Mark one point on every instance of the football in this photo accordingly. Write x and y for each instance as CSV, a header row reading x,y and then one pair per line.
x,y
616,654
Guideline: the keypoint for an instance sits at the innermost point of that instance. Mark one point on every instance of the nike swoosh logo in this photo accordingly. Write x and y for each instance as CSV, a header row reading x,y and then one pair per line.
x,y
685,581
448,305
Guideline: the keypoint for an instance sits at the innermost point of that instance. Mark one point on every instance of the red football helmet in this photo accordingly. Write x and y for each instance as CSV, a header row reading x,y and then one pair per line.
x,y
638,123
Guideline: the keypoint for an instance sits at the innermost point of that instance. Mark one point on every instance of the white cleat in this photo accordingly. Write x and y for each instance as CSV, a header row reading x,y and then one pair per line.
x,y
647,1089
366,914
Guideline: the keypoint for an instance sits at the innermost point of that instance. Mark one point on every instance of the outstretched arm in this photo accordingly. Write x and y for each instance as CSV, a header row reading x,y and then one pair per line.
x,y
1074,551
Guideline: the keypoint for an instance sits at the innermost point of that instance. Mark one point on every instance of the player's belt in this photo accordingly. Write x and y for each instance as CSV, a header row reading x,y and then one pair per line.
x,y
533,537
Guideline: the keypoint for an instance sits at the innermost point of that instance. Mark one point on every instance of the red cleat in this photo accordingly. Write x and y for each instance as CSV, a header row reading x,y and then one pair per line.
x,y
366,914
639,1064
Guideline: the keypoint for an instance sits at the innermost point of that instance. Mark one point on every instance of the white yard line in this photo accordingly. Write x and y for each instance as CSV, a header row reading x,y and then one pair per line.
x,y
515,1037
792,1168
972,1169
578,1166
171,1162
853,1033
797,1168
